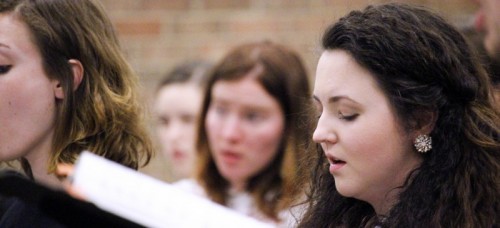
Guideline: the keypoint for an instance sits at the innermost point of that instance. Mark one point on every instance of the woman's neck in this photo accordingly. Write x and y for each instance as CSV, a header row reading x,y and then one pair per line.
x,y
238,186
388,196
39,169
38,161
386,203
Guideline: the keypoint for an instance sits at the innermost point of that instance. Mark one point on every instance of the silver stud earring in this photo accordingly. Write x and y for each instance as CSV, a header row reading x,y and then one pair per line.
x,y
423,143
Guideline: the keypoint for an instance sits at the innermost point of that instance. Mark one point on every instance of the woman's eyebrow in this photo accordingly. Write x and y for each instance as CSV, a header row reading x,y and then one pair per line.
x,y
336,99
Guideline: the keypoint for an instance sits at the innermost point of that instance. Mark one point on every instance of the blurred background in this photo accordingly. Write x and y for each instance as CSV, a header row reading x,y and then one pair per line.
x,y
156,35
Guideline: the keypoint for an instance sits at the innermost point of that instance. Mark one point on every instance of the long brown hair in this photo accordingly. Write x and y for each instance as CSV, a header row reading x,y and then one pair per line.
x,y
103,114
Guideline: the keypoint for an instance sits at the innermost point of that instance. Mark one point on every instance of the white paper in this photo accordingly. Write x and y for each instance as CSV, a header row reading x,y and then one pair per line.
x,y
148,201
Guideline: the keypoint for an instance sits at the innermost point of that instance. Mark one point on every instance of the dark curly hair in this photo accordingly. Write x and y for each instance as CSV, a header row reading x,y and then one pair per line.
x,y
422,64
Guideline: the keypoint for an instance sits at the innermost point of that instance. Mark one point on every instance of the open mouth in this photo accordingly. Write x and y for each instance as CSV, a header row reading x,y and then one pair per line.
x,y
335,164
335,161
230,157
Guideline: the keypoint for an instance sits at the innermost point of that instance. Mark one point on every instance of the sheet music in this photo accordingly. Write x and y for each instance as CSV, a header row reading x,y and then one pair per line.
x,y
148,201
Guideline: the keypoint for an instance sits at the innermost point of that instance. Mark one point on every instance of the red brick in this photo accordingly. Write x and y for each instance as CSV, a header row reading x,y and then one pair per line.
x,y
225,4
138,27
111,5
256,25
196,26
165,4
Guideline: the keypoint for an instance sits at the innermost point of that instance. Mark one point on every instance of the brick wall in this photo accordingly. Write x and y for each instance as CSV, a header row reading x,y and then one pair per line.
x,y
157,34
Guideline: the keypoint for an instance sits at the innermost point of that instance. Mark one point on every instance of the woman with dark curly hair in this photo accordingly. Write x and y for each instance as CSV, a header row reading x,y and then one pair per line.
x,y
408,129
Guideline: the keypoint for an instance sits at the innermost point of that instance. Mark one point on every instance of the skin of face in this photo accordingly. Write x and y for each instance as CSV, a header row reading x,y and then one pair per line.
x,y
177,108
244,125
488,20
27,97
368,151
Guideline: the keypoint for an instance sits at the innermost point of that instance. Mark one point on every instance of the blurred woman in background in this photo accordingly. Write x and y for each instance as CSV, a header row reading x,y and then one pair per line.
x,y
176,109
254,131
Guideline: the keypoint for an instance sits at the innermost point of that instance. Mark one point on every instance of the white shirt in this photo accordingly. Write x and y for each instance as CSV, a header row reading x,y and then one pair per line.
x,y
243,203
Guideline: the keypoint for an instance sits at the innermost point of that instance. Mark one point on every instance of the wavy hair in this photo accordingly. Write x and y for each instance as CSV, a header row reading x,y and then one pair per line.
x,y
102,115
422,64
284,77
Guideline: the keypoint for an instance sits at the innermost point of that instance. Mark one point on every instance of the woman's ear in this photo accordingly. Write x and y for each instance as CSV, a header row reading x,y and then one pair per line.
x,y
426,121
77,69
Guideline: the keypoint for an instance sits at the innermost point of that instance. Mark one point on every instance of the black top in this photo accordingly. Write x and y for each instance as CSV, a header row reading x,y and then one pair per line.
x,y
24,203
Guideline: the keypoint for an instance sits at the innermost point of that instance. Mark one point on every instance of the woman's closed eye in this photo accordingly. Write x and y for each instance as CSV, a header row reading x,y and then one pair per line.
x,y
5,68
347,117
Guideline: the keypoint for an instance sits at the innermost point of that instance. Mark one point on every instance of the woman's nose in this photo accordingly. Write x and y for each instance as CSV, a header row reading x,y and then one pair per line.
x,y
324,132
232,128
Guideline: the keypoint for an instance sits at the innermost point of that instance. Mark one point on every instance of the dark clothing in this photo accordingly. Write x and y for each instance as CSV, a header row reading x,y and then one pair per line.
x,y
24,203
16,213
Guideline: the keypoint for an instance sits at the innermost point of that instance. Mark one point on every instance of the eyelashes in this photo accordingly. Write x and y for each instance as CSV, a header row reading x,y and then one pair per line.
x,y
347,117
342,116
5,68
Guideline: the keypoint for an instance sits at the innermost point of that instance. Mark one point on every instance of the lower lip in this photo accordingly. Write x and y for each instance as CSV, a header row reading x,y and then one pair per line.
x,y
230,158
335,167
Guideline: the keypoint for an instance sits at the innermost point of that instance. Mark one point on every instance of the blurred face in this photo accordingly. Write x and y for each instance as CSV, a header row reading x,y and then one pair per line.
x,y
368,152
488,20
244,126
177,109
27,99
